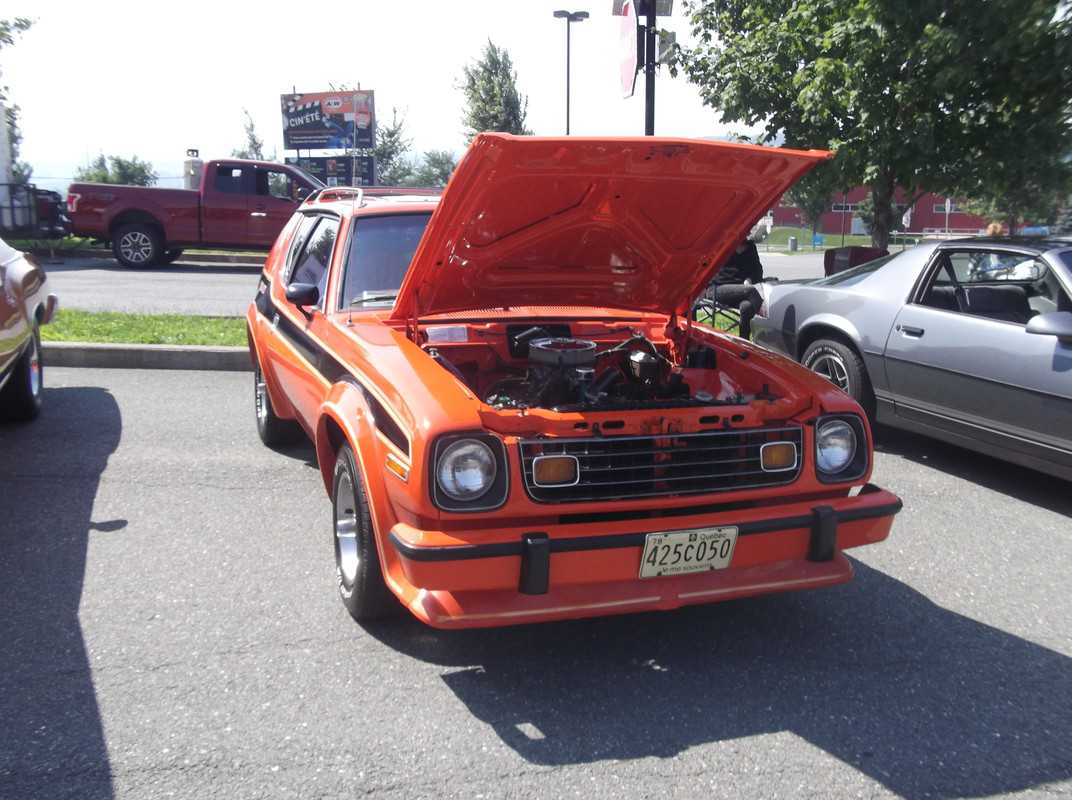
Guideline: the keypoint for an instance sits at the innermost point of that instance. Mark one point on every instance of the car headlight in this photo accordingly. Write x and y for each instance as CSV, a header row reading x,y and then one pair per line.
x,y
469,473
840,449
466,470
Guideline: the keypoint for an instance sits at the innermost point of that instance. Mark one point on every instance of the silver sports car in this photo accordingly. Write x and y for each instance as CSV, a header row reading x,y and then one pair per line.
x,y
968,340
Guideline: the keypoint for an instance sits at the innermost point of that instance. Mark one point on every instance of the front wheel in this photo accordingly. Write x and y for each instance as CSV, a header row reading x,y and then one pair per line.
x,y
357,562
843,367
138,245
20,399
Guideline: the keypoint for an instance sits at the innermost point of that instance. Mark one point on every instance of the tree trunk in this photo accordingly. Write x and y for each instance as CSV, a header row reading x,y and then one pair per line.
x,y
882,197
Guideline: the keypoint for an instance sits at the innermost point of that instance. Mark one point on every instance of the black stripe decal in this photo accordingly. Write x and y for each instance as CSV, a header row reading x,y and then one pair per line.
x,y
330,367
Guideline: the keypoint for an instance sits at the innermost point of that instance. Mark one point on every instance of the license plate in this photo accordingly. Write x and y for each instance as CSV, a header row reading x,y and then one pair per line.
x,y
681,552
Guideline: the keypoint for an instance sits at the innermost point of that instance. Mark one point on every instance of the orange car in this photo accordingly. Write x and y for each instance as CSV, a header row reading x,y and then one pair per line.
x,y
514,414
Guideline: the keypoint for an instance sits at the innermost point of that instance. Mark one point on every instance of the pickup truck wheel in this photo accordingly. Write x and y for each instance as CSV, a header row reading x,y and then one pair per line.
x,y
137,245
272,430
20,399
357,562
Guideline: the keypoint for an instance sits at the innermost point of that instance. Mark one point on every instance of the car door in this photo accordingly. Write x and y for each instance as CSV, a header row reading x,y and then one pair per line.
x,y
224,209
296,338
972,370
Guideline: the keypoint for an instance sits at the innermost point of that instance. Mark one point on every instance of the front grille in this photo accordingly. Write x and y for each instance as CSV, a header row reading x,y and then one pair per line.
x,y
632,467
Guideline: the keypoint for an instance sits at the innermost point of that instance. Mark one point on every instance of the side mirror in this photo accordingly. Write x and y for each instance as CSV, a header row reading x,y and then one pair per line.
x,y
303,294
1056,323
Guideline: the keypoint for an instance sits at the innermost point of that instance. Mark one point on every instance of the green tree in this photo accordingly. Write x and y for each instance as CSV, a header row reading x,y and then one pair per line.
x,y
393,168
494,103
115,169
21,172
435,169
254,147
1063,224
945,96
814,193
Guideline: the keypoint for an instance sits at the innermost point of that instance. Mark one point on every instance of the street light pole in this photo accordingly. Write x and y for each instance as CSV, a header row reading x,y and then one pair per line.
x,y
570,17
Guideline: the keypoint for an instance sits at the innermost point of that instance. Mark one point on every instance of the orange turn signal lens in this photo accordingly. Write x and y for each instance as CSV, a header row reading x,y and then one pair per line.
x,y
778,456
555,470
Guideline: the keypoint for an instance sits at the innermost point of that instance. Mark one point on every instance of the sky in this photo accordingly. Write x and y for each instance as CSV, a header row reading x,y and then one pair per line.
x,y
152,80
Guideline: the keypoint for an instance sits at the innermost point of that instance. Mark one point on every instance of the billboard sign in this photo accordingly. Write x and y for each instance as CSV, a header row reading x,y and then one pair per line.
x,y
329,120
339,171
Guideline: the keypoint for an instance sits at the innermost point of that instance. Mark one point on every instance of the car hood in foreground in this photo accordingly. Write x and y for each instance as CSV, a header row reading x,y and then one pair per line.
x,y
639,223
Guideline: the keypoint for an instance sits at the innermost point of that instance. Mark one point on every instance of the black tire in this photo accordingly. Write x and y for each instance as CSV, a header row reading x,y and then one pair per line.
x,y
357,562
272,430
138,245
843,367
20,399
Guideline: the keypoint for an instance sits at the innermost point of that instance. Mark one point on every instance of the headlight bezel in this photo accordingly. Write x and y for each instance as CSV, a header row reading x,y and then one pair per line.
x,y
858,463
495,491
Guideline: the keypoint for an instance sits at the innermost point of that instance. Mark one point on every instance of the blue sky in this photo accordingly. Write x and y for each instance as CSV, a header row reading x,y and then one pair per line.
x,y
151,80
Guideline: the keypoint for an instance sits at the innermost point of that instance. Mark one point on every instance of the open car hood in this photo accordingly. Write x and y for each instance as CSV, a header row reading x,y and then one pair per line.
x,y
633,223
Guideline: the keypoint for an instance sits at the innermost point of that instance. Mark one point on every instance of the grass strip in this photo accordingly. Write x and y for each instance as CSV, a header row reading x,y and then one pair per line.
x,y
116,328
111,327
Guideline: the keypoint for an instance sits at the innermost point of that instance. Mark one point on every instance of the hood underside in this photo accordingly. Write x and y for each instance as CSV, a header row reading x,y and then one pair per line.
x,y
637,223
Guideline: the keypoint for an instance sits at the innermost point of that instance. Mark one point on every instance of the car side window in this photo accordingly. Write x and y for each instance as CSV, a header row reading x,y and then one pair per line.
x,y
993,284
228,179
312,255
275,183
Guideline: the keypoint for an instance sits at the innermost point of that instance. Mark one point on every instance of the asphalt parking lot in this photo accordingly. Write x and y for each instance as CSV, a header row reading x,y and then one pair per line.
x,y
170,629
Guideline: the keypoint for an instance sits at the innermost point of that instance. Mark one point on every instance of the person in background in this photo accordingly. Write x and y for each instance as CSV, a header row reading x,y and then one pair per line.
x,y
734,284
993,229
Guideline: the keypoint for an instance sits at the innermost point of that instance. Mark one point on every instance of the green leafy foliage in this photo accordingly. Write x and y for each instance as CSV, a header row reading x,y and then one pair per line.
x,y
392,145
947,96
115,169
21,172
254,147
494,103
435,169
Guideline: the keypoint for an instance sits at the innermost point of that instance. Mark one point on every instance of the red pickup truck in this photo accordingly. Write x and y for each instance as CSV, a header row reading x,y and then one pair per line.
x,y
240,205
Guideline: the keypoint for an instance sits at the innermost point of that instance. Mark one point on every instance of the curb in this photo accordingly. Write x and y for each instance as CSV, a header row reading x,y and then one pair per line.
x,y
145,356
188,257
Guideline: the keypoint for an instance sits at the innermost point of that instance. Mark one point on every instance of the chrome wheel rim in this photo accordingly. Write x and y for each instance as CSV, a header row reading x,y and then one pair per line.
x,y
833,369
136,247
35,368
260,396
347,559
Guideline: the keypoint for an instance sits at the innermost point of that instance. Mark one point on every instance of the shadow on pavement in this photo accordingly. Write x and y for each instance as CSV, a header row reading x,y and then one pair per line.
x,y
924,701
51,740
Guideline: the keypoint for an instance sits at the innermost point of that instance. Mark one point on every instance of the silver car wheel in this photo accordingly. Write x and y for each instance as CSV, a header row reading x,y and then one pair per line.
x,y
833,369
347,559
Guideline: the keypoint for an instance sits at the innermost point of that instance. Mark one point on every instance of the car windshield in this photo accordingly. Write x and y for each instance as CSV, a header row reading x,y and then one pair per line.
x,y
381,249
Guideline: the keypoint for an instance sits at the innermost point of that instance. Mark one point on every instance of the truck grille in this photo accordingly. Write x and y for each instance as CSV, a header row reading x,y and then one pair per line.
x,y
631,467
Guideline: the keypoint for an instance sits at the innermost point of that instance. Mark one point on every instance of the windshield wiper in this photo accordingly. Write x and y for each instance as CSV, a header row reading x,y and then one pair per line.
x,y
373,297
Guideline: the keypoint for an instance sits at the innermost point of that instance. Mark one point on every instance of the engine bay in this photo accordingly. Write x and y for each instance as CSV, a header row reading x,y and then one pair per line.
x,y
548,367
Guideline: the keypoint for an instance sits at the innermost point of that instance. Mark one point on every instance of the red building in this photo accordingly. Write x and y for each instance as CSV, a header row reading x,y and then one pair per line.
x,y
930,214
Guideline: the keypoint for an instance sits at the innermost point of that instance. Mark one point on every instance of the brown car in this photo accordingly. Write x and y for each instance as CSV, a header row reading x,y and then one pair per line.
x,y
25,306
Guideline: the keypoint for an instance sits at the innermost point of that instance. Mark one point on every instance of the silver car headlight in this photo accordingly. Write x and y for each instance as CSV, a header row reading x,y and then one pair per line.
x,y
469,473
841,452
